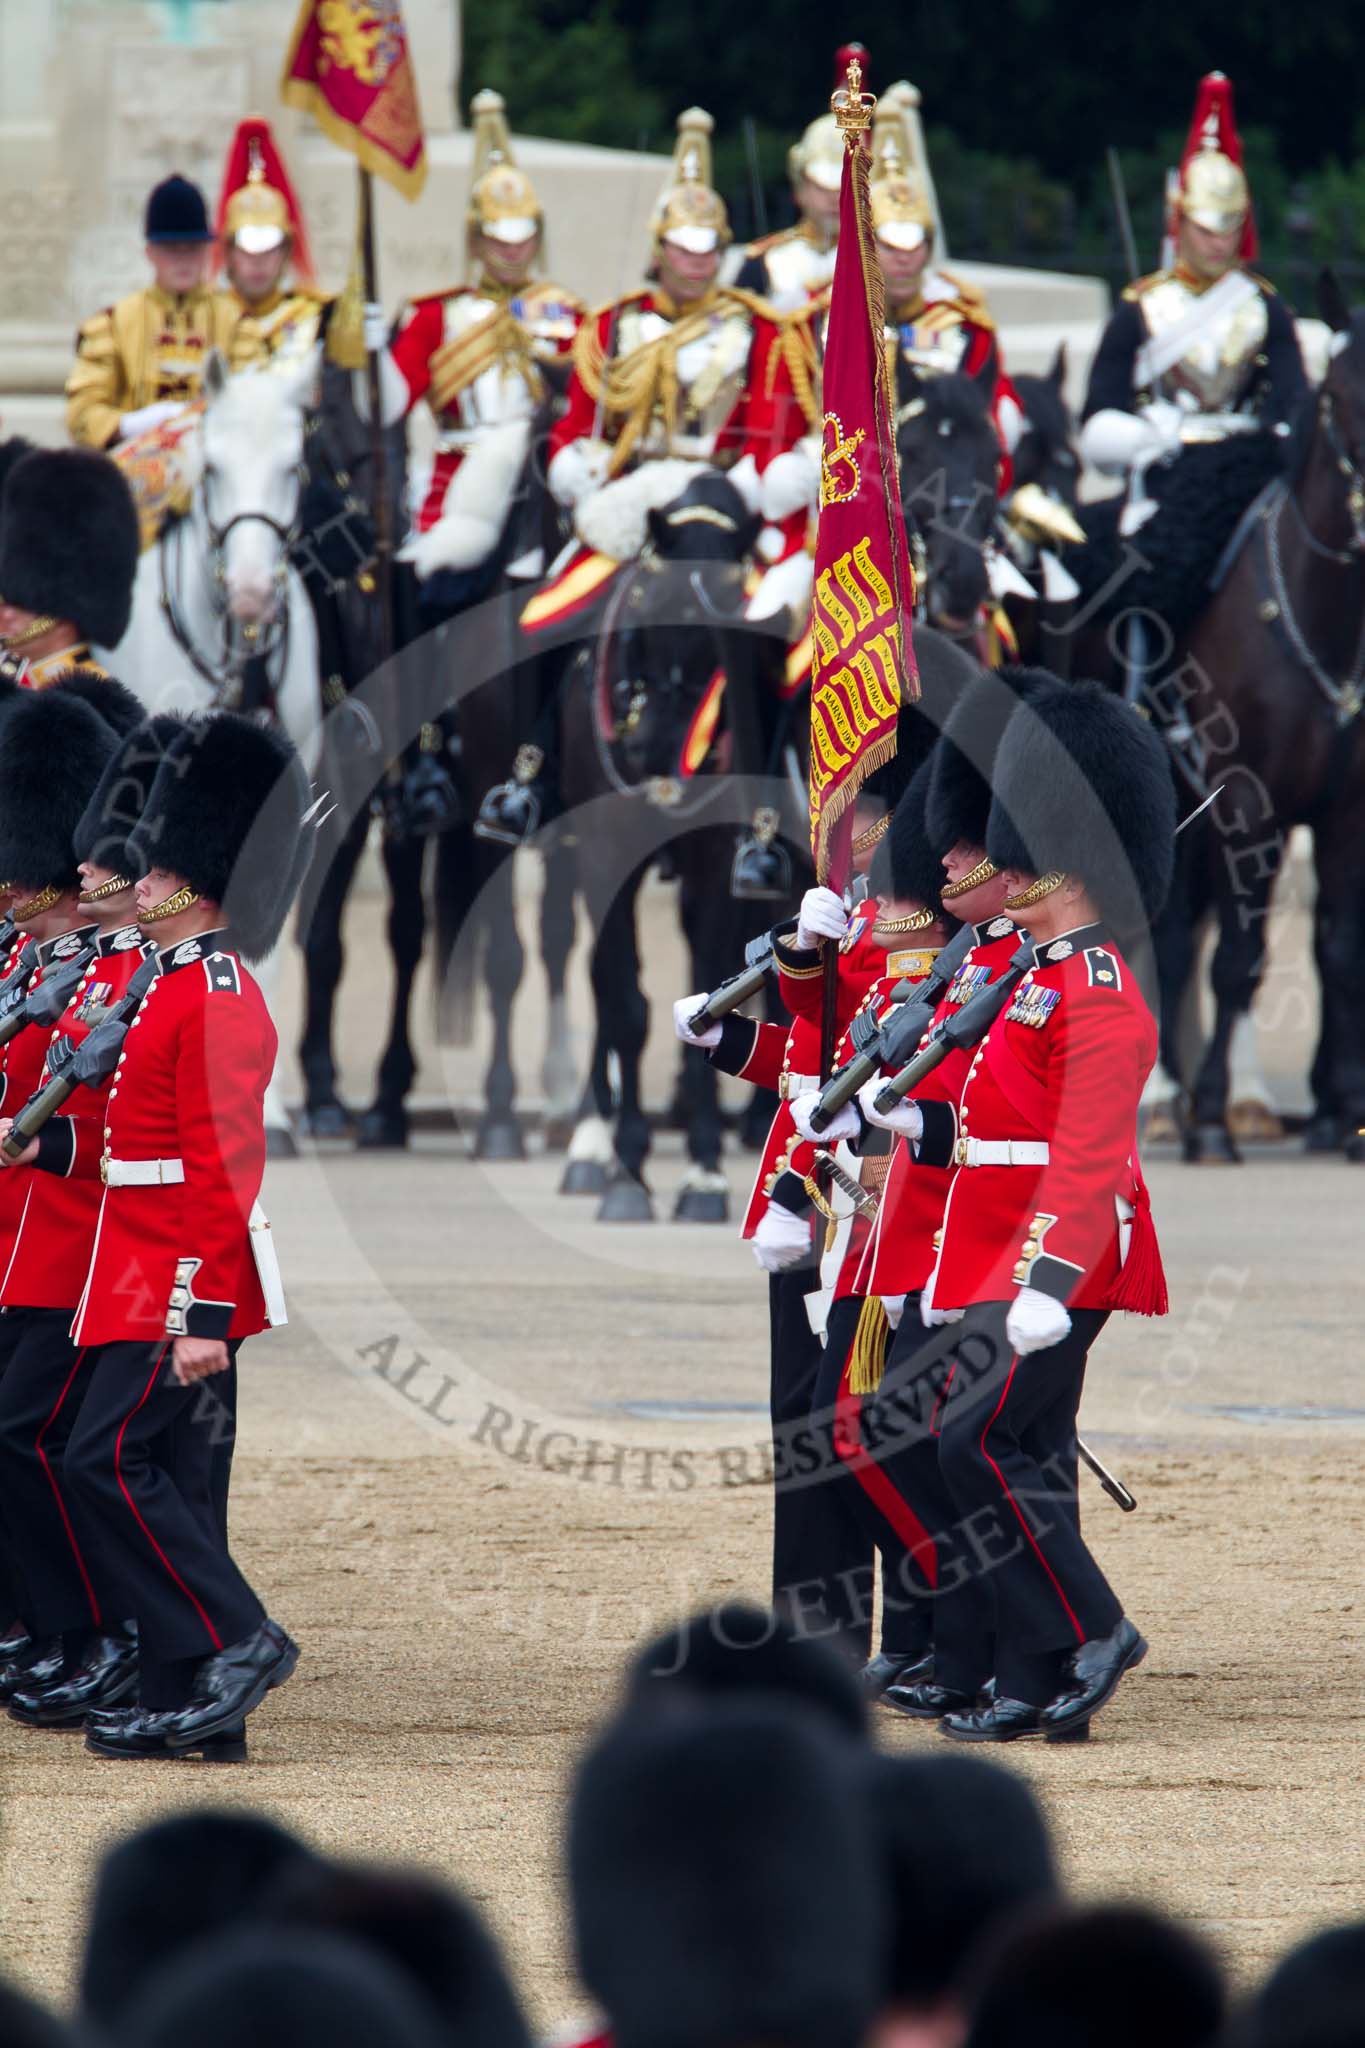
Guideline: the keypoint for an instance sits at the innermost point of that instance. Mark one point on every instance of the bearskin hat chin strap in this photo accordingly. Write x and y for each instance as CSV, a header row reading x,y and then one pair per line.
x,y
26,635
36,905
103,891
1036,891
984,871
170,906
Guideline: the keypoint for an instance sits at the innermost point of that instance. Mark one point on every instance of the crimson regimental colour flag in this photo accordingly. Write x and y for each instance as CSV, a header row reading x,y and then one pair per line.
x,y
350,67
864,664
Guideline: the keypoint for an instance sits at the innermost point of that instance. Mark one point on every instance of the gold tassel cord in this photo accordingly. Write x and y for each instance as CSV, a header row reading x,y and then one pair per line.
x,y
867,1358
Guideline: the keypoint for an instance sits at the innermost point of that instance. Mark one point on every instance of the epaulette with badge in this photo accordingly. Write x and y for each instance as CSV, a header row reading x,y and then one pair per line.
x,y
220,972
1103,968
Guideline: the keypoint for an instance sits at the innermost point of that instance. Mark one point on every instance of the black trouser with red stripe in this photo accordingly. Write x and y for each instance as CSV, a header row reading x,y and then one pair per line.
x,y
40,1397
822,1556
13,1597
145,1473
851,1422
1018,1589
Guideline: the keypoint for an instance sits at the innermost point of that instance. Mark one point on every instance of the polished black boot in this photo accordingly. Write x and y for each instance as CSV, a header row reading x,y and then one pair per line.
x,y
138,1734
106,1674
41,1664
890,1668
925,1701
231,1684
994,1720
1093,1674
510,812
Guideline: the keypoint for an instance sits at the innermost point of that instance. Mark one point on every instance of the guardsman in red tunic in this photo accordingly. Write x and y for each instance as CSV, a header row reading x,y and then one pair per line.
x,y
68,560
181,1270
1047,1225
66,1603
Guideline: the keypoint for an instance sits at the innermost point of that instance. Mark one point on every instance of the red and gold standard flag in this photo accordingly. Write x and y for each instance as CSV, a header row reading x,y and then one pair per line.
x,y
864,665
350,67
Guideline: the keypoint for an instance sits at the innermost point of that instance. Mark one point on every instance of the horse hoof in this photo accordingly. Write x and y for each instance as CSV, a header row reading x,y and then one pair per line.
x,y
626,1201
1210,1145
1254,1123
701,1205
280,1142
583,1177
499,1138
328,1120
1162,1126
1324,1134
382,1129
555,1133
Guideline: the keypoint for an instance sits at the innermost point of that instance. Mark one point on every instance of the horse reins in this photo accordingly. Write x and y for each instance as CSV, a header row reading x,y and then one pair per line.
x,y
1346,698
226,678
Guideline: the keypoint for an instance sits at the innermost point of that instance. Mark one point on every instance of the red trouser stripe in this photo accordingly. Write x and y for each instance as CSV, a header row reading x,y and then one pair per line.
x,y
1023,1521
57,1492
171,1571
889,1503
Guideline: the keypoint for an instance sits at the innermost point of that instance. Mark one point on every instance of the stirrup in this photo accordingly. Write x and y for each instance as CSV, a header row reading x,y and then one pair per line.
x,y
510,812
761,871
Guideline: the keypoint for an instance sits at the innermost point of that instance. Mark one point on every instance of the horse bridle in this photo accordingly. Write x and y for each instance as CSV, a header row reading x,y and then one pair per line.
x,y
1346,698
225,678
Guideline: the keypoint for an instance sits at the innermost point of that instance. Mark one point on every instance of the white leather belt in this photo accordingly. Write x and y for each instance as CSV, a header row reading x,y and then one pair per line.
x,y
1000,1152
789,1086
141,1173
267,1267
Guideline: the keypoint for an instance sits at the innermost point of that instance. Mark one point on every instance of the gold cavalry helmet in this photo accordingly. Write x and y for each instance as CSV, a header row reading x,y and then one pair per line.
x,y
690,213
258,208
1214,193
901,214
819,155
503,203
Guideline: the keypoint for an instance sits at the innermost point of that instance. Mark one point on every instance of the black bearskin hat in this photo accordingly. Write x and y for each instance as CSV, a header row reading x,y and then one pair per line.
x,y
912,866
723,1883
735,1652
1047,1981
1315,1996
226,812
120,797
959,800
965,1847
69,541
113,700
161,1892
53,751
1083,786
282,1989
176,212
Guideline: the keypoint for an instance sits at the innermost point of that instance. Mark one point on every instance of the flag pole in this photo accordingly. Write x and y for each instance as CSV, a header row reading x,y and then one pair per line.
x,y
379,482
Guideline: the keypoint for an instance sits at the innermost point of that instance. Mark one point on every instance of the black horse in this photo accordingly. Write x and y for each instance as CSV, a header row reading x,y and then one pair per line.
x,y
948,456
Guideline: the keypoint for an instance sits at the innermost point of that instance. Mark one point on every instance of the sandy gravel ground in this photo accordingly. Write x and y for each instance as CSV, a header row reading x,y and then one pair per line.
x,y
498,1444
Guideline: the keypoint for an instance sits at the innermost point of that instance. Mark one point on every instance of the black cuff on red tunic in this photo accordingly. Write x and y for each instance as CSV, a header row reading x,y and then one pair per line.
x,y
56,1146
935,1145
789,1192
1056,1277
738,1037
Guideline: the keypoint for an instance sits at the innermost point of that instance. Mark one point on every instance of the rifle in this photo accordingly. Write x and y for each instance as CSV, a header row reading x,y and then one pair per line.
x,y
971,1024
86,1065
883,1042
44,1004
759,961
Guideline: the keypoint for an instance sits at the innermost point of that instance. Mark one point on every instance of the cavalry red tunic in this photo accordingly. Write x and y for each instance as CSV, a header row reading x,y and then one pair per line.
x,y
1064,1065
174,1256
51,1253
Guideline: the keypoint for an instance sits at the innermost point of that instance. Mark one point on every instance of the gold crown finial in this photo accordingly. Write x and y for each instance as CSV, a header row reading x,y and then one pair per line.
x,y
850,105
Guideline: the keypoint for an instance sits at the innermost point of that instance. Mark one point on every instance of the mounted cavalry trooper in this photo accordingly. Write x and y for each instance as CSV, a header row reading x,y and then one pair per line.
x,y
792,267
139,361
68,560
486,356
1206,349
265,252
181,1269
682,375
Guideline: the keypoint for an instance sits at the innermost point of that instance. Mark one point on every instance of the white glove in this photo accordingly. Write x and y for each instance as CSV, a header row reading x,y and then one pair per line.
x,y
375,327
428,551
1035,1321
1165,420
744,477
148,416
822,917
685,1008
781,1239
843,1124
791,483
906,1119
578,470
931,1317
894,1305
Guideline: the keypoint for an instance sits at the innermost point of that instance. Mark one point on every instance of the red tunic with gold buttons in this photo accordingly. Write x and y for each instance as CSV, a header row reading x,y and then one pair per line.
x,y
174,1257
51,1253
789,1060
904,1241
1064,1065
